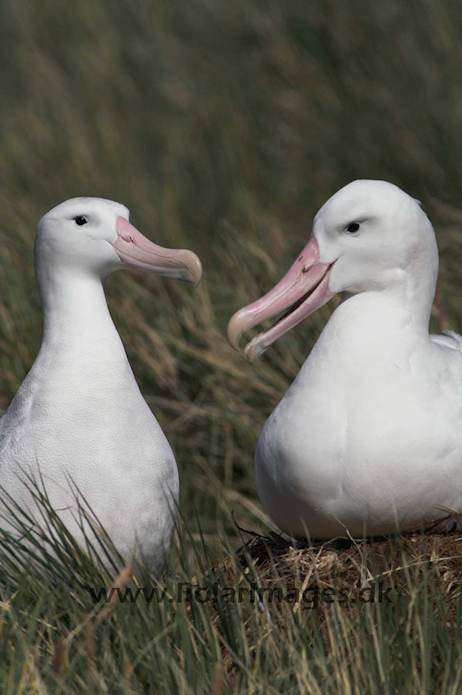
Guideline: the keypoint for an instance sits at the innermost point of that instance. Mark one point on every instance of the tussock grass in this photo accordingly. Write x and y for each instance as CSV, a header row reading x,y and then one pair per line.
x,y
223,127
343,616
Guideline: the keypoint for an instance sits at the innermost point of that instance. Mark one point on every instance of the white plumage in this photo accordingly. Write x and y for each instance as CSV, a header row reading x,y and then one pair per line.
x,y
368,438
79,423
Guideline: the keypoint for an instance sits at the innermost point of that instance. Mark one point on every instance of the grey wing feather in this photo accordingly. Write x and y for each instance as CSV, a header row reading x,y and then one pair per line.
x,y
451,340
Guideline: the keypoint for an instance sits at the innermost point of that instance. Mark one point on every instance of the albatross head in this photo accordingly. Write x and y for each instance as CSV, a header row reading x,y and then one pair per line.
x,y
94,234
369,236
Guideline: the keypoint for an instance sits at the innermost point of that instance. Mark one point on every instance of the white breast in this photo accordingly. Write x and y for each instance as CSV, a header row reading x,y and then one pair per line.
x,y
368,437
80,422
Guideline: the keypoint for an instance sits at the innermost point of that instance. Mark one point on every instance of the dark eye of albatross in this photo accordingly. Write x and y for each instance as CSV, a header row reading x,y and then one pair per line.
x,y
80,220
352,227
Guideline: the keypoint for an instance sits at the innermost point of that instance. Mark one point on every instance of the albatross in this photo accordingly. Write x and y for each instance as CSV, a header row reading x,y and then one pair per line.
x,y
368,438
78,424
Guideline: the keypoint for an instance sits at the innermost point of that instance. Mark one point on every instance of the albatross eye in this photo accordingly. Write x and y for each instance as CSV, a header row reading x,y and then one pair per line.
x,y
352,228
80,220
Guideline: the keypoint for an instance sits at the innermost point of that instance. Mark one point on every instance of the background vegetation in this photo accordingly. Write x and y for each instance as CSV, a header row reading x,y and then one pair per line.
x,y
223,127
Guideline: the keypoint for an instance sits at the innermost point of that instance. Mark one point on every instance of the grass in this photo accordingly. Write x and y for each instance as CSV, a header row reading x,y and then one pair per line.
x,y
223,127
378,616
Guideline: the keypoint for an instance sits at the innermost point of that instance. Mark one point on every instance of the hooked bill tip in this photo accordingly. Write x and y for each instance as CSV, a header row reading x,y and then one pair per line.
x,y
235,329
192,266
238,324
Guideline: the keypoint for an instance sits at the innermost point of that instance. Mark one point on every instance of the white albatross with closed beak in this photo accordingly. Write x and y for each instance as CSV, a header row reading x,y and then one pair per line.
x,y
79,426
368,438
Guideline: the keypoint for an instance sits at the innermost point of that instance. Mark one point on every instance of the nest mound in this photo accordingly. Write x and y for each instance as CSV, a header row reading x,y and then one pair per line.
x,y
342,568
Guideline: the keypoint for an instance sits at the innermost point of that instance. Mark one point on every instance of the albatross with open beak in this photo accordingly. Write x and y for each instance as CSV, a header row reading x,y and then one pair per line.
x,y
79,424
368,438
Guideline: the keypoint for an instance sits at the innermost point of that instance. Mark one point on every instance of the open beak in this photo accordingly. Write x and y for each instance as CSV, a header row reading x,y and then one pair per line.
x,y
302,290
137,252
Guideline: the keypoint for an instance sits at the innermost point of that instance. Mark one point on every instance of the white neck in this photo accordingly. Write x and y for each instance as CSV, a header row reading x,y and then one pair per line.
x,y
77,324
81,361
417,291
397,299
369,324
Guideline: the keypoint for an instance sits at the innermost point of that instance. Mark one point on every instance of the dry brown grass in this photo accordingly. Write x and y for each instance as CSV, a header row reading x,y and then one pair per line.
x,y
349,565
